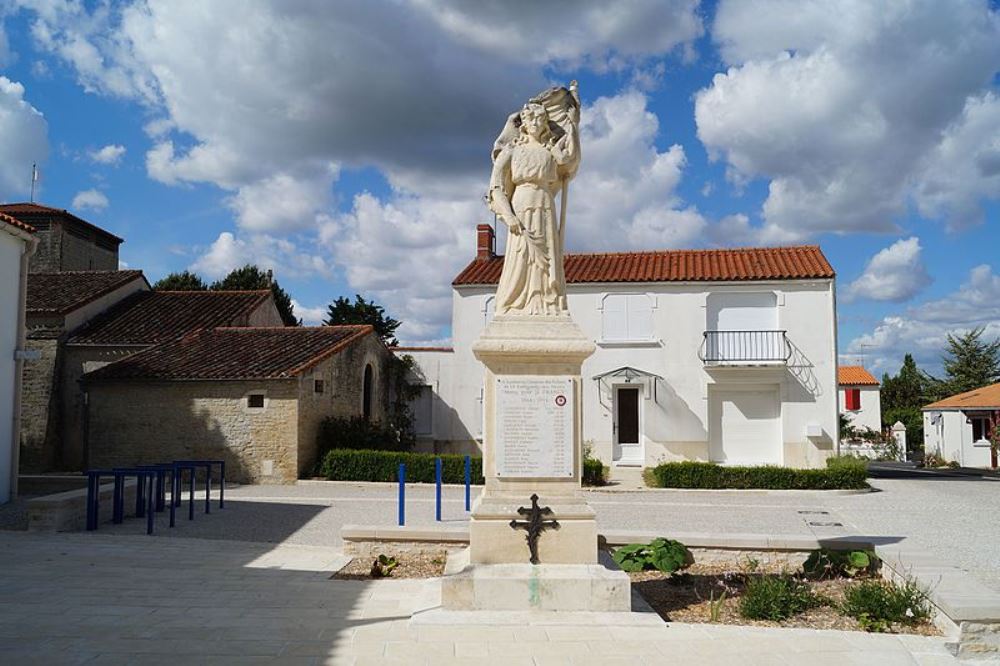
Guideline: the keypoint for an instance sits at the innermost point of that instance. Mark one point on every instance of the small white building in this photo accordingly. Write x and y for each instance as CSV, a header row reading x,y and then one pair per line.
x,y
960,428
860,397
17,242
722,355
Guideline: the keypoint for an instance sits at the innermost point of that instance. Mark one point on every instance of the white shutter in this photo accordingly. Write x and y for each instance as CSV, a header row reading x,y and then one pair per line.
x,y
640,317
614,318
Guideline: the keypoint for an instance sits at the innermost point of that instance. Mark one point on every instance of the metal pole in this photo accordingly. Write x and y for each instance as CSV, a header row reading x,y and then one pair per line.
x,y
222,484
191,494
402,493
208,488
468,483
150,504
437,489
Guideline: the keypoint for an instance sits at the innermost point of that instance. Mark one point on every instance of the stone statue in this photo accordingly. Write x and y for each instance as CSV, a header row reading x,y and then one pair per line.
x,y
535,156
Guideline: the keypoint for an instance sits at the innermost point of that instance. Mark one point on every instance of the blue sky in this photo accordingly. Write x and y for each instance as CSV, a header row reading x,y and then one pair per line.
x,y
345,145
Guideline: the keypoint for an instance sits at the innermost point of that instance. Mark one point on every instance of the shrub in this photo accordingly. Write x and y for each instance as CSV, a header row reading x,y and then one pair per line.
x,y
776,598
595,472
665,555
349,465
877,604
711,476
825,563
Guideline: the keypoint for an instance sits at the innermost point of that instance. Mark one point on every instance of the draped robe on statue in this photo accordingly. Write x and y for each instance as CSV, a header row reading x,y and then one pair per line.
x,y
530,174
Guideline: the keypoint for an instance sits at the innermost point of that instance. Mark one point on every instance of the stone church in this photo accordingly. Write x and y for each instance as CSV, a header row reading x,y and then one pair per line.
x,y
115,361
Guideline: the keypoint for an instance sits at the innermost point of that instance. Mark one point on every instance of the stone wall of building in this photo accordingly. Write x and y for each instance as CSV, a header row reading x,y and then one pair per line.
x,y
142,423
39,409
46,258
343,380
69,247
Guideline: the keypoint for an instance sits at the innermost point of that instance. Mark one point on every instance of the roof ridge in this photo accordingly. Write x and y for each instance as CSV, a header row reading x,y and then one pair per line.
x,y
211,291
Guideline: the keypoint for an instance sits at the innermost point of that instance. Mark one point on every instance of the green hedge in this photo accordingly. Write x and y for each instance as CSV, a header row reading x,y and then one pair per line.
x,y
595,473
353,465
839,475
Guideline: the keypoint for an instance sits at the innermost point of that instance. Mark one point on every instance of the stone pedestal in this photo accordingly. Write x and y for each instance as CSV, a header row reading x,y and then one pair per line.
x,y
532,370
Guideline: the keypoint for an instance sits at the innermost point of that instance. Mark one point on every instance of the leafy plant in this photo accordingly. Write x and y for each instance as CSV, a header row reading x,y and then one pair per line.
x,y
595,472
690,474
878,604
715,606
826,563
776,598
383,565
665,555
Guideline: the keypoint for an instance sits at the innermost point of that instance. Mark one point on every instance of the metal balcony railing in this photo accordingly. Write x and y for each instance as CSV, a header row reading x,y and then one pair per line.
x,y
745,347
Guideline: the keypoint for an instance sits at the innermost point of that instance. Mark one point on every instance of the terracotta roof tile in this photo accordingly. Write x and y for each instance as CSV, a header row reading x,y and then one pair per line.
x,y
148,317
803,262
26,212
16,223
65,291
987,397
235,354
855,375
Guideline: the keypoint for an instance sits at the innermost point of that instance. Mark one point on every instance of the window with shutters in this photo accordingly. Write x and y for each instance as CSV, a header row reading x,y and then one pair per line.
x,y
852,399
627,318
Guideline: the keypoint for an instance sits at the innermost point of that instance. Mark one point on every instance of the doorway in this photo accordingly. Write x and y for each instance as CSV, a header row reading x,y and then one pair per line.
x,y
628,449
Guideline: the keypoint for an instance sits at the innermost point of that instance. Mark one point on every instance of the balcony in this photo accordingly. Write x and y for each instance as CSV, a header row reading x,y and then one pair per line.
x,y
745,348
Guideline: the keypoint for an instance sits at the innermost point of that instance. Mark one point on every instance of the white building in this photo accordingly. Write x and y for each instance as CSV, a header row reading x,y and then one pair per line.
x,y
723,355
860,397
16,245
960,428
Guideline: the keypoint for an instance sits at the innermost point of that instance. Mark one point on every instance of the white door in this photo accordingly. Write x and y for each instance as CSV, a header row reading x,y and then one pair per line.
x,y
628,438
744,426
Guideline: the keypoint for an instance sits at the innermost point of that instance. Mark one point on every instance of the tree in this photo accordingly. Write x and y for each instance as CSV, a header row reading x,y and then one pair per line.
x,y
342,311
902,397
250,278
183,281
970,362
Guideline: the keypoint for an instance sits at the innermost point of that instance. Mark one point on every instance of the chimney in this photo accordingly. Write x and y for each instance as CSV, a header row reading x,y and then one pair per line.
x,y
485,242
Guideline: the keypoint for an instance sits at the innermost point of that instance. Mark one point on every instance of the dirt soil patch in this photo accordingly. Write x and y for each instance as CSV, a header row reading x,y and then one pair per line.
x,y
685,597
415,565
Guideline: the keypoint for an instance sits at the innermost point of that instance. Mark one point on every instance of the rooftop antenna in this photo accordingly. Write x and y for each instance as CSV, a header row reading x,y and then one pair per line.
x,y
34,179
861,358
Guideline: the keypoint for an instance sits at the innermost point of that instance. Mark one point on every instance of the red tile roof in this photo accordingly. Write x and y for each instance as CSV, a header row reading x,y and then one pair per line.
x,y
235,354
855,375
148,317
16,223
26,212
803,262
987,397
65,291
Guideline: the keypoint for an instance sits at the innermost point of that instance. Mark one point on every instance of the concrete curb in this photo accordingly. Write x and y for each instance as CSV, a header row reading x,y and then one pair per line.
x,y
586,489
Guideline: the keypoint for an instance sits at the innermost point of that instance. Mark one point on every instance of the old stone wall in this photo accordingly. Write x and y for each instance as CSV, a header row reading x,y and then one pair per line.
x,y
343,379
78,360
142,423
39,408
59,250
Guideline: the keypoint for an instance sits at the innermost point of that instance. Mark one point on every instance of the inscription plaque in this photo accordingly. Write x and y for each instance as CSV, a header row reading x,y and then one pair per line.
x,y
534,427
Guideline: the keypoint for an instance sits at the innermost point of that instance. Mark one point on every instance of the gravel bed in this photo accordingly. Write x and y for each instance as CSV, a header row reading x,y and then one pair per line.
x,y
684,597
415,565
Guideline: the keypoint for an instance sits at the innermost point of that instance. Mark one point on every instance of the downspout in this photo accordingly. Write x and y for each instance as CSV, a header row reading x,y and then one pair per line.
x,y
836,364
30,244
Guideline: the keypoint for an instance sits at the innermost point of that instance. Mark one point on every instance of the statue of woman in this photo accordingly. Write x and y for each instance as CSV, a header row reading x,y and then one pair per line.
x,y
535,156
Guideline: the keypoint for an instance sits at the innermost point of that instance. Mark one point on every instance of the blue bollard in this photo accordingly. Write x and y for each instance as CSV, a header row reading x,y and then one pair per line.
x,y
468,483
437,491
402,494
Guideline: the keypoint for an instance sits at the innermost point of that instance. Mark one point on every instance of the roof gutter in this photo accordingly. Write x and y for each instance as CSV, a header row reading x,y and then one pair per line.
x,y
30,244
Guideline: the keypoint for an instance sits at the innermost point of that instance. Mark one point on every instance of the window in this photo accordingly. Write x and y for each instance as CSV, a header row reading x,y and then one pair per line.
x,y
255,401
852,399
627,317
421,406
318,386
980,428
366,394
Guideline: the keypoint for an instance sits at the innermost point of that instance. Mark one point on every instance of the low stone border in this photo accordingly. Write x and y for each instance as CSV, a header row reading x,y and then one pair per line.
x,y
965,610
67,511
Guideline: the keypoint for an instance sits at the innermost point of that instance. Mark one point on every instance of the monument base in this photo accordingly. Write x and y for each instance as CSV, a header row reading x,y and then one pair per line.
x,y
542,587
493,541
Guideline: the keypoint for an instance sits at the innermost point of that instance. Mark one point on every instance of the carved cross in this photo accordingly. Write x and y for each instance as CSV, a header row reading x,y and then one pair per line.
x,y
534,525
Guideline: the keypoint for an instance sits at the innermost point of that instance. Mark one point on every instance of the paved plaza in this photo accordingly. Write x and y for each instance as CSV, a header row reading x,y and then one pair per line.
x,y
98,598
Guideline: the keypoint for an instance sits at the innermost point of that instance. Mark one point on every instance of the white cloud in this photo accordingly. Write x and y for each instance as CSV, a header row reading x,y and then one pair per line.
x,y
896,273
309,316
110,154
922,329
281,255
23,140
283,200
90,199
841,105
